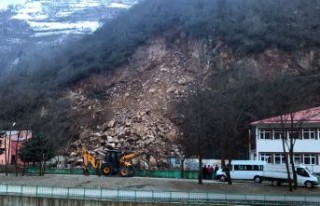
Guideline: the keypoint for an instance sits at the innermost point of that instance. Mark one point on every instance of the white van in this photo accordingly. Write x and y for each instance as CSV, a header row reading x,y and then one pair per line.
x,y
278,175
243,170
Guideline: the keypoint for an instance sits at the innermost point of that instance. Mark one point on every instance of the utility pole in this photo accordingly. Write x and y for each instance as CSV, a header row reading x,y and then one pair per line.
x,y
249,142
16,152
9,145
5,155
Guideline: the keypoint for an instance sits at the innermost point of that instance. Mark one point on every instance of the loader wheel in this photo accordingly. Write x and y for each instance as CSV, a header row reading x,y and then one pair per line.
x,y
124,171
106,169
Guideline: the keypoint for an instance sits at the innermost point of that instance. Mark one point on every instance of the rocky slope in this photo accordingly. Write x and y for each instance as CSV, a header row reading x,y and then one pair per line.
x,y
133,108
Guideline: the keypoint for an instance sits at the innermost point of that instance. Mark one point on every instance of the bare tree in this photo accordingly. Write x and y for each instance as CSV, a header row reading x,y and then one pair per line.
x,y
194,140
289,94
215,117
291,126
230,105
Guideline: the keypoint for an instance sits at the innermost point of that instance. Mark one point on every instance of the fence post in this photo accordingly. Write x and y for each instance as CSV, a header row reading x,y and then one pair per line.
x,y
305,200
135,195
118,194
207,198
245,199
68,193
225,198
100,194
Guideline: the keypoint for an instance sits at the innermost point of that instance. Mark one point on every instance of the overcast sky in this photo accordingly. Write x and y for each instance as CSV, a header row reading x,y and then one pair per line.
x,y
5,3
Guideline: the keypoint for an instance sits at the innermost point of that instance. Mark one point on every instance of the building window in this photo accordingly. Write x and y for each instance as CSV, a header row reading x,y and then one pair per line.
x,y
309,134
294,134
265,157
297,159
278,159
265,134
277,134
309,159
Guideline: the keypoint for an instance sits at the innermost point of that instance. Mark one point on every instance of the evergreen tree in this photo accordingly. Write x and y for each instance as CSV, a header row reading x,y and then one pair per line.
x,y
38,149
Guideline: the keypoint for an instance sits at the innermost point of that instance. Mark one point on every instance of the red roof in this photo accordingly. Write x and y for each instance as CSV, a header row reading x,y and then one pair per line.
x,y
311,115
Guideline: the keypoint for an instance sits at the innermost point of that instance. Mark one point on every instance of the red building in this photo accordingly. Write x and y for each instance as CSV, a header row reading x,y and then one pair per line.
x,y
12,141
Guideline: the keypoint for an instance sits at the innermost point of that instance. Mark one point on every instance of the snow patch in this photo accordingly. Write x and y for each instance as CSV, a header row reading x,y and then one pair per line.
x,y
5,3
47,26
32,10
118,5
43,15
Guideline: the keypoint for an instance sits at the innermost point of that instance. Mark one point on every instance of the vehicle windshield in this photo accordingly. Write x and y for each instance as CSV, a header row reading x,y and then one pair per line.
x,y
307,169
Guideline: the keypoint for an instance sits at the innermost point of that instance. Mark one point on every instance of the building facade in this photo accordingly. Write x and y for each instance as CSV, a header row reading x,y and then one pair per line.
x,y
12,142
303,127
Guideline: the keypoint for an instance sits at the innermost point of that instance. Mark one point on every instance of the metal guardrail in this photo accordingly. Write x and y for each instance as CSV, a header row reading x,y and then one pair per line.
x,y
155,196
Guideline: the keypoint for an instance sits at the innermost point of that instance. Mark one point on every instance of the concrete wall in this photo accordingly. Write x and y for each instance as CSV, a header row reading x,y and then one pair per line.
x,y
36,201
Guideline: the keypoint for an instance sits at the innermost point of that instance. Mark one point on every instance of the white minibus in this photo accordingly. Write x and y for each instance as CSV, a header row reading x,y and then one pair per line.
x,y
243,170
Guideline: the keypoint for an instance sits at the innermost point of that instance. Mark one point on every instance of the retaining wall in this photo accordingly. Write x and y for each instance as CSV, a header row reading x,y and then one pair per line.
x,y
6,200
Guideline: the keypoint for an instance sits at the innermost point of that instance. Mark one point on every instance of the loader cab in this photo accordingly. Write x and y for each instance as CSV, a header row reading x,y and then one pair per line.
x,y
112,157
115,162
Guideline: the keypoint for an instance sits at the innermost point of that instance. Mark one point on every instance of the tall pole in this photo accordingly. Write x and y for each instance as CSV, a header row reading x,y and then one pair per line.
x,y
9,145
16,152
5,155
249,139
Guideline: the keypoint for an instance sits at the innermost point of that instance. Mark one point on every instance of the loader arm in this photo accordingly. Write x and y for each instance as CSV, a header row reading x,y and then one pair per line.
x,y
88,159
125,159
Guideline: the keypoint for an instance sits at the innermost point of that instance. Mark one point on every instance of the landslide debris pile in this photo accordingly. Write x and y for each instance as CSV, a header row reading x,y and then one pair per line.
x,y
133,108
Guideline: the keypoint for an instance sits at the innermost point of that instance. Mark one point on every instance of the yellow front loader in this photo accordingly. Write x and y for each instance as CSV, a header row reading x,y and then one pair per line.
x,y
115,162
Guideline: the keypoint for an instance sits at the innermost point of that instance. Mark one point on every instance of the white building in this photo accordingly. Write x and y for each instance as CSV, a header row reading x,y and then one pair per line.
x,y
304,126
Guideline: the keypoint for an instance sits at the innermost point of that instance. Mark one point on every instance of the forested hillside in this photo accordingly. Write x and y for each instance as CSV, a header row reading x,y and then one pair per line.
x,y
220,51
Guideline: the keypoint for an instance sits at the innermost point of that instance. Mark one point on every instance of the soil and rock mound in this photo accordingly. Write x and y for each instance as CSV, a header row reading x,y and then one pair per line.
x,y
134,107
